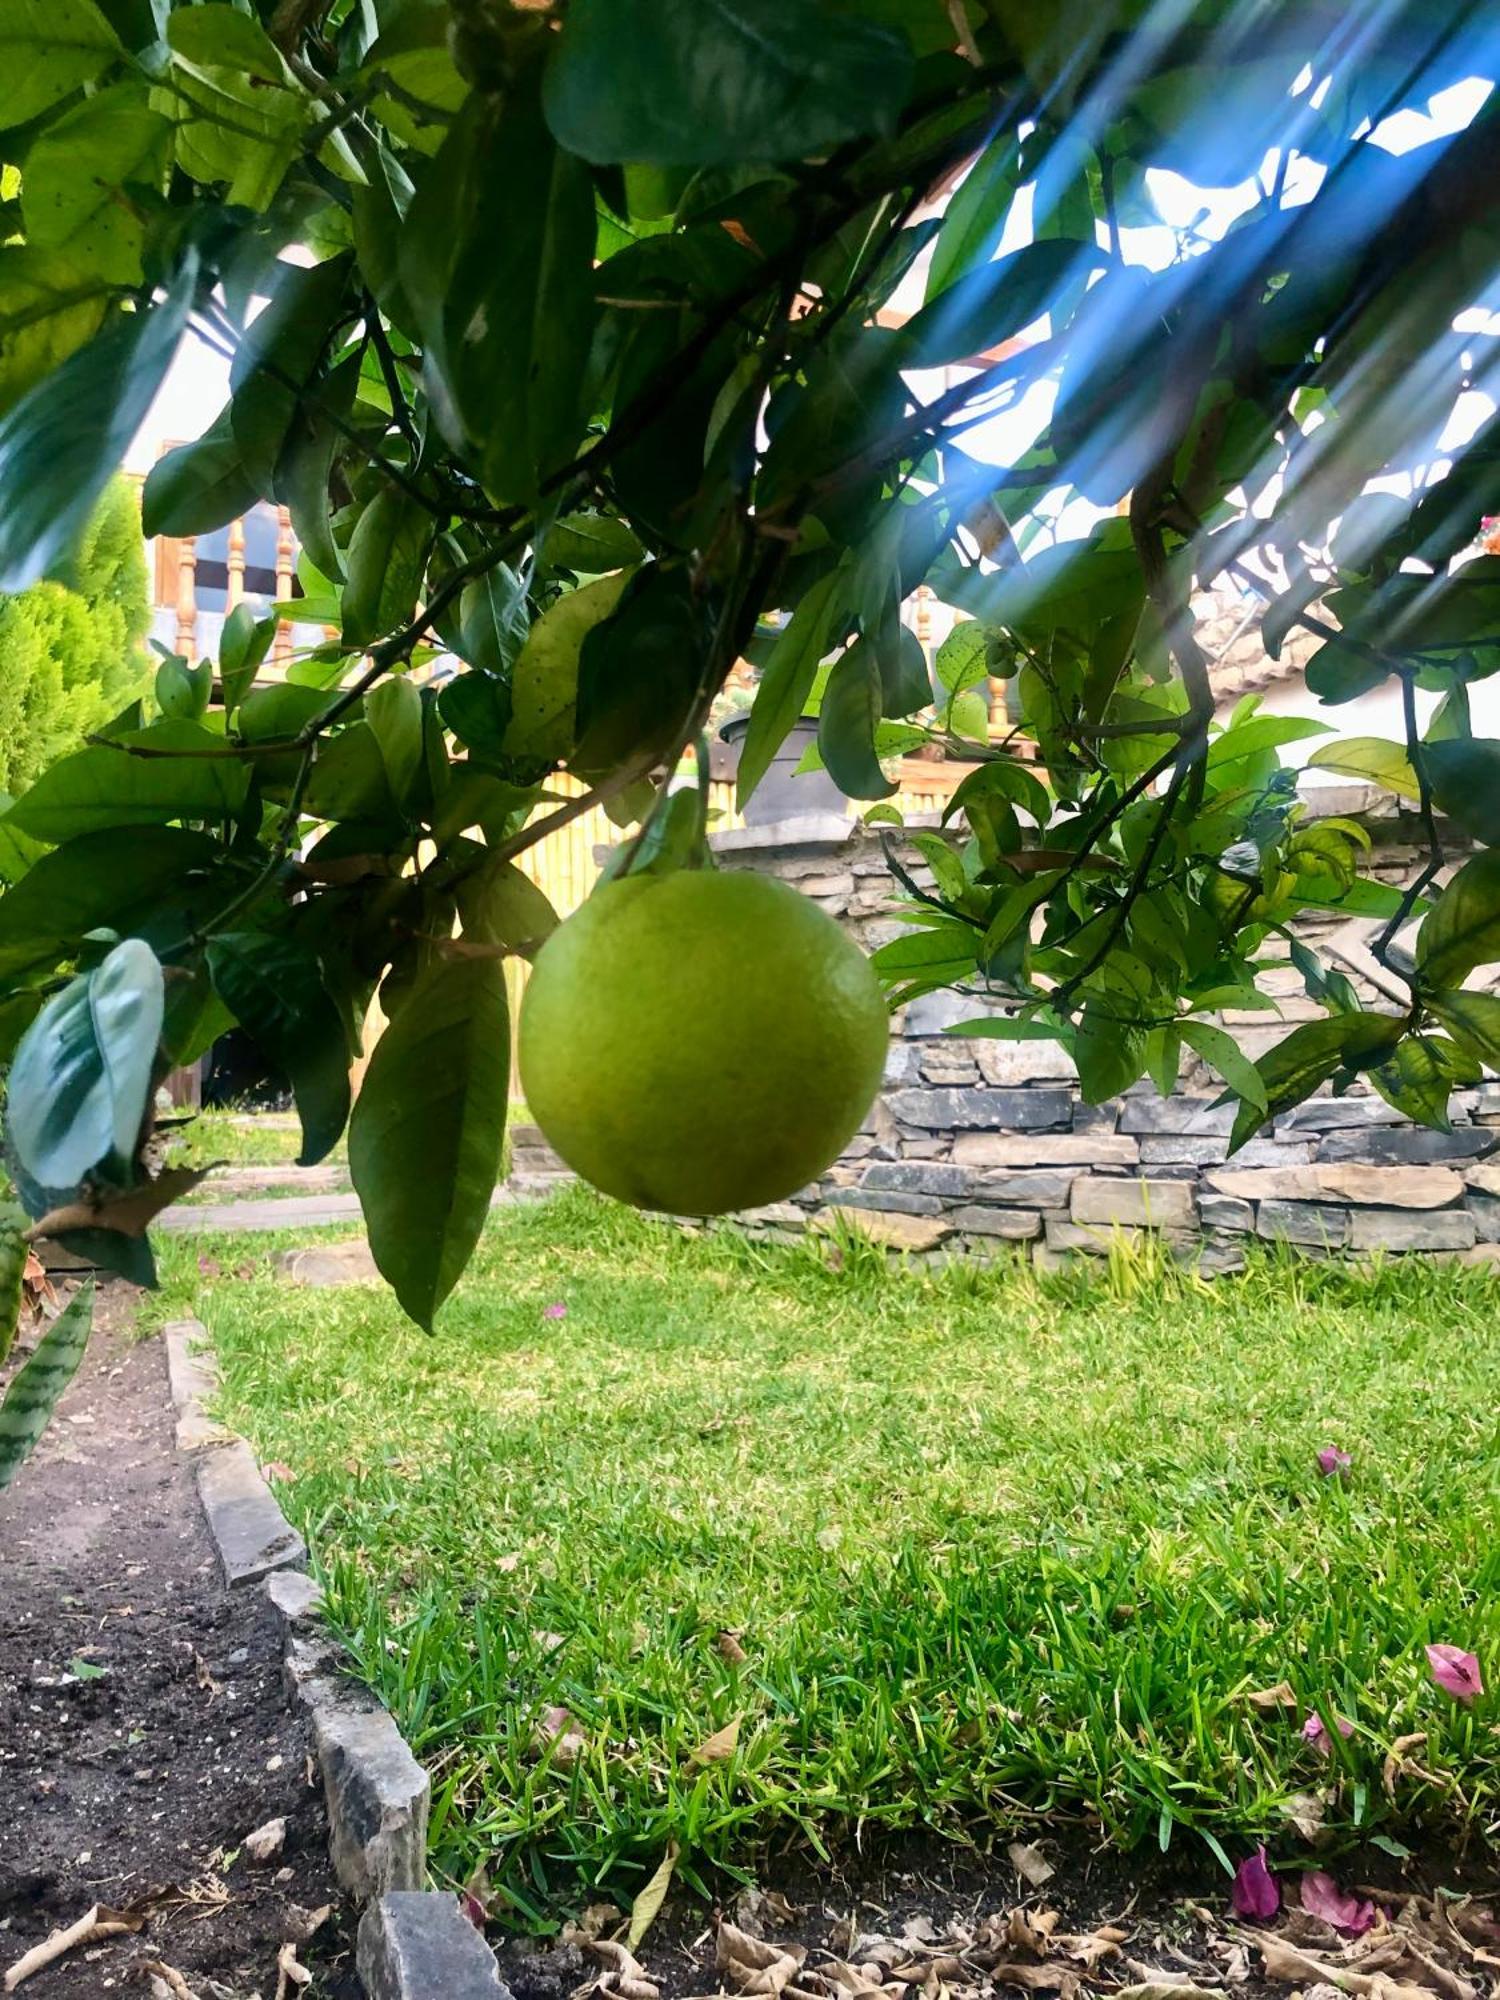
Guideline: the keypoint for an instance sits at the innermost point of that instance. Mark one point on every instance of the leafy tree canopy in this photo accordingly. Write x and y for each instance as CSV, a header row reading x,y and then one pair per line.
x,y
70,653
577,363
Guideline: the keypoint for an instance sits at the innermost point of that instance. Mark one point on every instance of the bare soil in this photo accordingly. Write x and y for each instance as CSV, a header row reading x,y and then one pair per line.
x,y
143,1727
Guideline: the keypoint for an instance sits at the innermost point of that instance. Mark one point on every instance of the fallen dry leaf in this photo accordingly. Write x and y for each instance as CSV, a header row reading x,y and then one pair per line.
x,y
1054,1977
290,1971
557,1735
91,1928
624,1974
752,1965
1305,1812
1398,1764
1168,1989
720,1745
1027,1930
167,1983
728,1643
649,1901
1280,1696
1030,1863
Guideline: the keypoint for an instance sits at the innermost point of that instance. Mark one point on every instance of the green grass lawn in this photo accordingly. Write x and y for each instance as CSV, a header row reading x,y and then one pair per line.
x,y
990,1544
239,1139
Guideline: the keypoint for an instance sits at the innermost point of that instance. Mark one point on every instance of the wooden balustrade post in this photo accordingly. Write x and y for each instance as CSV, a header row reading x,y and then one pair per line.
x,y
236,565
286,551
187,597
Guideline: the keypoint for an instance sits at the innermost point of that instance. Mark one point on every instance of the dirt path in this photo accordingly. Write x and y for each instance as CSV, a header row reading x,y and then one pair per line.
x,y
143,1730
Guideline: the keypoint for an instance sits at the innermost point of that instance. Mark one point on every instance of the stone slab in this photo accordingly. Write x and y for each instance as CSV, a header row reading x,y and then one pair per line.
x,y
895,1232
1046,1149
1158,1204
1411,1229
1014,1224
1483,1177
250,1532
378,1794
1222,1211
1009,1063
1365,1186
1409,1145
991,1110
1485,1209
1305,1222
1334,1114
301,1211
329,1264
1183,1149
419,1945
943,1177
193,1376
887,1201
1197,1116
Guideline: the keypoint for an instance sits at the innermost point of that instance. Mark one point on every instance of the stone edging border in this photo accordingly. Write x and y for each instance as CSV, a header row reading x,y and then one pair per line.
x,y
414,1943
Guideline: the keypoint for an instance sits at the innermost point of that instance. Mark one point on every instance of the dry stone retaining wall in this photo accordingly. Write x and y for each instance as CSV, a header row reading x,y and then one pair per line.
x,y
974,1144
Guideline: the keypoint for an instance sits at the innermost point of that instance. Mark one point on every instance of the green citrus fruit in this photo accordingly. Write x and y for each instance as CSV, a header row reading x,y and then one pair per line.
x,y
700,1042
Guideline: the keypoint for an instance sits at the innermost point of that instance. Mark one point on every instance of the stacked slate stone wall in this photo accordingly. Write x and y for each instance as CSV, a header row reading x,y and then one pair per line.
x,y
973,1144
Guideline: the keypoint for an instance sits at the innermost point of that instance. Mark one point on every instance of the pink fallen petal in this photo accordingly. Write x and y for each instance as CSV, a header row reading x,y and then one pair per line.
x,y
472,1908
1455,1671
1315,1730
1255,1892
557,1310
1332,1462
1322,1897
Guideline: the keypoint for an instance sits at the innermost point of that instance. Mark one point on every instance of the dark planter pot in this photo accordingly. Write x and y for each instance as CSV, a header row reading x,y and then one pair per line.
x,y
783,793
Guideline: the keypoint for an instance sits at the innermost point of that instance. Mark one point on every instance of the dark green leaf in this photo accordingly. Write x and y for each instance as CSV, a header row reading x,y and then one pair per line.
x,y
274,988
787,78
1002,778
1473,1019
92,214
984,308
243,646
198,487
50,304
1338,672
591,543
476,707
638,674
393,710
1465,778
103,787
387,559
847,721
1421,1077
80,1083
279,357
544,685
1463,929
905,684
34,1394
349,779
1374,758
60,443
975,218
92,881
818,625
220,36
493,621
501,906
428,1129
47,49
1308,1057
13,1254
497,261
183,691
1227,1059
